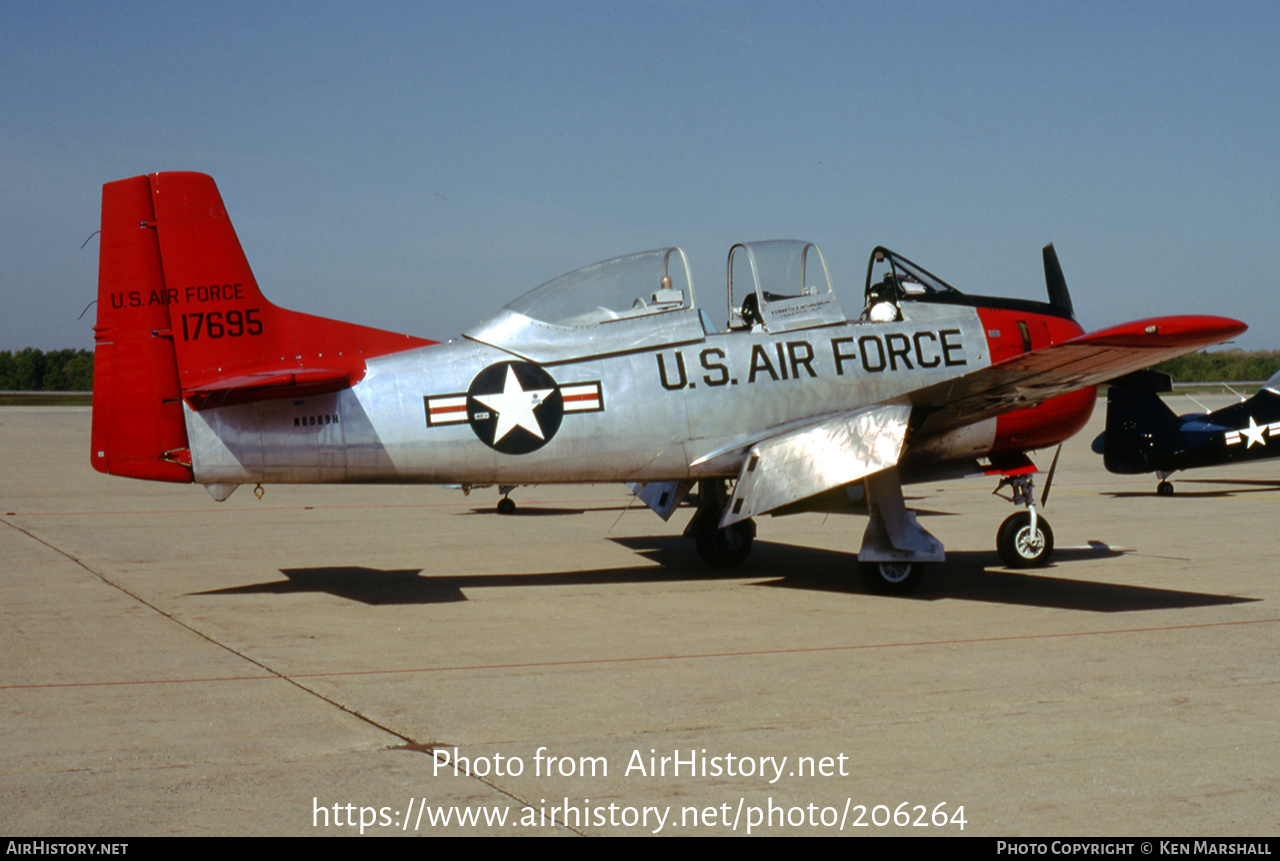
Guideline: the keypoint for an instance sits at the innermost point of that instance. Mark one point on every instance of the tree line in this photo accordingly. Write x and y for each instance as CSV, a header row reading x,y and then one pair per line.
x,y
1223,366
33,370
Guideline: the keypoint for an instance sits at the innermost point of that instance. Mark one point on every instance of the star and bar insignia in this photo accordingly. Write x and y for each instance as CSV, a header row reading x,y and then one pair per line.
x,y
1254,433
514,407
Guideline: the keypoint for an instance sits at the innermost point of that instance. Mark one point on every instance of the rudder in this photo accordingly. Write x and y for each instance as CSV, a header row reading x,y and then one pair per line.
x,y
138,426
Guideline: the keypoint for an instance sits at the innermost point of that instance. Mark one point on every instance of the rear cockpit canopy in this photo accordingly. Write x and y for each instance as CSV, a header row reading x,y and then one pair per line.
x,y
634,302
635,285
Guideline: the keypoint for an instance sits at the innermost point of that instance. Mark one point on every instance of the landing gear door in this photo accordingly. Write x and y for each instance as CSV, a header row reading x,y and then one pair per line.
x,y
780,286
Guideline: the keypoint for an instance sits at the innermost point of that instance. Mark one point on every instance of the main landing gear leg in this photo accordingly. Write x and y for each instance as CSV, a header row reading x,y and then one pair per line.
x,y
1024,539
895,547
719,548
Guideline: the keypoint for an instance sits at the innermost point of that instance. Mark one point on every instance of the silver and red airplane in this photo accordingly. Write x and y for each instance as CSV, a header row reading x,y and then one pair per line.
x,y
612,373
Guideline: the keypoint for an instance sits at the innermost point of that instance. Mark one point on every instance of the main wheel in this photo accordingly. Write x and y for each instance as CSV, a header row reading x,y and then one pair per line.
x,y
1164,488
1018,547
506,505
728,547
890,578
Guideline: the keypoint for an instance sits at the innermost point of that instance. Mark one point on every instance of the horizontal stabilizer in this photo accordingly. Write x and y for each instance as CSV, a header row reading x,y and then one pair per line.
x,y
267,384
796,465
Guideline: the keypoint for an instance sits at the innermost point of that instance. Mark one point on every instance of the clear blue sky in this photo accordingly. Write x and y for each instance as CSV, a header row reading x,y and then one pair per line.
x,y
414,166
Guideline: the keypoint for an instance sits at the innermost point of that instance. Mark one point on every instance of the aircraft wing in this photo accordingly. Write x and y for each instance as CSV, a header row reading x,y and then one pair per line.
x,y
1086,360
800,462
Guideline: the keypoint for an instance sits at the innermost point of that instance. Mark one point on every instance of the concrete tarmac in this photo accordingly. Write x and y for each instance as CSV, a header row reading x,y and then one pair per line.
x,y
324,655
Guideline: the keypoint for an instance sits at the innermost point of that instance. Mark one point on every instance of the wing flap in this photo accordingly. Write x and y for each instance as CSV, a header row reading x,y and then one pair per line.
x,y
800,463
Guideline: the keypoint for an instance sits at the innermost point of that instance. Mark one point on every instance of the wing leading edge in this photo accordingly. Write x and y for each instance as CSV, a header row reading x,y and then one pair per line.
x,y
1086,360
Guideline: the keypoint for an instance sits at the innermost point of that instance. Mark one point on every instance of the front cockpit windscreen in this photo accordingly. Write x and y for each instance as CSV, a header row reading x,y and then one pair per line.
x,y
887,267
892,279
636,285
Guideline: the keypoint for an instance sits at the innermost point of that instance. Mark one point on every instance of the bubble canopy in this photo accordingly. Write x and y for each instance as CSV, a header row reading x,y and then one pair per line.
x,y
626,303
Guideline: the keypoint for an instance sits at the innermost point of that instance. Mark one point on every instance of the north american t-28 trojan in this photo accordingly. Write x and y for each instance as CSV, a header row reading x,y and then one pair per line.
x,y
1144,435
611,373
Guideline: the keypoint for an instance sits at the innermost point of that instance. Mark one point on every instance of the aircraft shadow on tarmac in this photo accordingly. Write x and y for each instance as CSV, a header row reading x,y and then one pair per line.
x,y
967,576
532,511
1235,487
526,510
411,586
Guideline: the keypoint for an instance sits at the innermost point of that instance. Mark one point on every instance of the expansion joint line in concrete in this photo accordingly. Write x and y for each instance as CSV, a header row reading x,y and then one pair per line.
x,y
432,750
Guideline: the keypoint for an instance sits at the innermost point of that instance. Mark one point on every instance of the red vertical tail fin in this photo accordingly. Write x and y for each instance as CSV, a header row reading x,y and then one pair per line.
x,y
181,317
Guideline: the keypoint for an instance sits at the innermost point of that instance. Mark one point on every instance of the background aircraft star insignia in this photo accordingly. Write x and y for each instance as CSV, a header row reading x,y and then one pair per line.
x,y
1254,432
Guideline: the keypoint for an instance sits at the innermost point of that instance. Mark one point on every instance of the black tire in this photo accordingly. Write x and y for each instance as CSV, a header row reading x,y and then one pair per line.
x,y
1164,488
890,578
506,505
728,547
1018,548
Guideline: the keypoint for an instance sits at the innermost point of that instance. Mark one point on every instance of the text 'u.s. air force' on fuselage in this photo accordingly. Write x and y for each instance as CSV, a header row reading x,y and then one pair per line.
x,y
613,372
794,359
1144,435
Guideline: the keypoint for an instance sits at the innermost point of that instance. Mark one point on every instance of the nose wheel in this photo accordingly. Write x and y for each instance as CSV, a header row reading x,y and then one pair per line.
x,y
1022,545
1025,539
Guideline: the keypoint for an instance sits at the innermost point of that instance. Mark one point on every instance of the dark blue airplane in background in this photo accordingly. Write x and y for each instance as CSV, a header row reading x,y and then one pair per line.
x,y
1144,435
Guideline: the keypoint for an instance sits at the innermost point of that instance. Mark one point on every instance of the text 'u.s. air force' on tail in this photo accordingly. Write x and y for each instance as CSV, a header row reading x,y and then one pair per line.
x,y
614,372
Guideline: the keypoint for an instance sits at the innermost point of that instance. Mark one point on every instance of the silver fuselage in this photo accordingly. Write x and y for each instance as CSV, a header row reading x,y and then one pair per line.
x,y
686,405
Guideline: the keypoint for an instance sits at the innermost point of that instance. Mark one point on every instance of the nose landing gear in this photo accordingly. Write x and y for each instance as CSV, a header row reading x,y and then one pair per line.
x,y
1025,539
